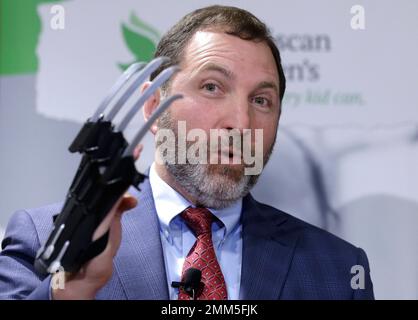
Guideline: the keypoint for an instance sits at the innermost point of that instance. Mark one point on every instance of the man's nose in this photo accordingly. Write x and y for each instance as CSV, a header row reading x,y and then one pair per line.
x,y
238,116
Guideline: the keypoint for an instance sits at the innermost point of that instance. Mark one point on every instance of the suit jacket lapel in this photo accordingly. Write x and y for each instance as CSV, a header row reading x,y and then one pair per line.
x,y
267,251
140,262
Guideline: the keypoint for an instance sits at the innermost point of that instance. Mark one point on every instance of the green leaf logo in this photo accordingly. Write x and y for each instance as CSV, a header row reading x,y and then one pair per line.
x,y
141,39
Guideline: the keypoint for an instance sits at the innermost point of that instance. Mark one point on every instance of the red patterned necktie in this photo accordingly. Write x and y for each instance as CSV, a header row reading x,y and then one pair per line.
x,y
202,256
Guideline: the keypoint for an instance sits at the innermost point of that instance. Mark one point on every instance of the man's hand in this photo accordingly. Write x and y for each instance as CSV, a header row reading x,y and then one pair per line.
x,y
97,272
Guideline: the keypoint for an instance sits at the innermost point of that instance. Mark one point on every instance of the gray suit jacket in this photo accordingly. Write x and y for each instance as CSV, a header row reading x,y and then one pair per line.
x,y
282,258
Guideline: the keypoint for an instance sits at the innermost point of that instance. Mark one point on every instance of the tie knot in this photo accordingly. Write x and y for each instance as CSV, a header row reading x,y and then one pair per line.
x,y
198,219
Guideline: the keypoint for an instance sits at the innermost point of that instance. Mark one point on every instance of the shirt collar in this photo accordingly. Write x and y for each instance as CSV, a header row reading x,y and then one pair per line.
x,y
169,203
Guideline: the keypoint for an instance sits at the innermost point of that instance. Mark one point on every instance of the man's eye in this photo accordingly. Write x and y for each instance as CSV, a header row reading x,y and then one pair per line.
x,y
210,87
261,101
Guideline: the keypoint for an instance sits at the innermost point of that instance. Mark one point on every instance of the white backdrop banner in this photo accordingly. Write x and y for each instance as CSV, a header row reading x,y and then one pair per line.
x,y
347,146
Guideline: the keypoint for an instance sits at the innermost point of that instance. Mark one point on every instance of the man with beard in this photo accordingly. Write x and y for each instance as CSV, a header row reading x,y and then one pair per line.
x,y
201,215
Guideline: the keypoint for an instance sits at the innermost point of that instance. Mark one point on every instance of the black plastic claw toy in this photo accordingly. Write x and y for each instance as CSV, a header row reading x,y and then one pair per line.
x,y
106,171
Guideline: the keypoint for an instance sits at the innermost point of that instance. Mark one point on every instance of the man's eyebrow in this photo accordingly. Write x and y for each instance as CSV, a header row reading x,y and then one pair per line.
x,y
267,85
217,68
229,74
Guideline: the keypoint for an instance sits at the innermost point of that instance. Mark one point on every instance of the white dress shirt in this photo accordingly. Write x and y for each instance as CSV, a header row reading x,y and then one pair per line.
x,y
177,239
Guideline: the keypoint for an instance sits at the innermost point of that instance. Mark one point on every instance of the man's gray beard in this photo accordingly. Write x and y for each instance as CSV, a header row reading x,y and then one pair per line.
x,y
211,190
215,191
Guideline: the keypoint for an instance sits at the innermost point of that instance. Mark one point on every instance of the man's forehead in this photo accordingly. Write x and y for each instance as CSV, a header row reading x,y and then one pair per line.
x,y
206,41
210,50
216,67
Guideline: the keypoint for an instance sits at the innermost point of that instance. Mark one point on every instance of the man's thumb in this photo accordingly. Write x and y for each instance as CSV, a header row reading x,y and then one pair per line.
x,y
128,202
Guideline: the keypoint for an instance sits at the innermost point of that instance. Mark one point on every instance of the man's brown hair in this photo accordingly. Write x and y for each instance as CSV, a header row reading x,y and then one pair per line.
x,y
230,20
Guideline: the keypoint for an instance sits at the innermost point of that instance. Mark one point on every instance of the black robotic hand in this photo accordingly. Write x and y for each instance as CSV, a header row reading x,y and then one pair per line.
x,y
106,171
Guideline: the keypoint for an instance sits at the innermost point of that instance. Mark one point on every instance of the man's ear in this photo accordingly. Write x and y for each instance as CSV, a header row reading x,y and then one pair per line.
x,y
150,105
